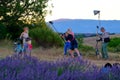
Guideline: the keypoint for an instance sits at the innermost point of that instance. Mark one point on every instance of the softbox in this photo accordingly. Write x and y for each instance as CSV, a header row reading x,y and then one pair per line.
x,y
96,12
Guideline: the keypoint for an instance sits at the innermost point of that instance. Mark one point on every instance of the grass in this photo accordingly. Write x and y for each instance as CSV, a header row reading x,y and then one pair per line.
x,y
48,54
53,53
5,48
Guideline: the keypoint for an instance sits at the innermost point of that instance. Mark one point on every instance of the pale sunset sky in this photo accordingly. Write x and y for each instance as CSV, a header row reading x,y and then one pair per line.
x,y
83,9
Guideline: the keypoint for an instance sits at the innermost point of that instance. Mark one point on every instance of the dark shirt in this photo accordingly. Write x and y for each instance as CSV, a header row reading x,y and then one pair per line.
x,y
69,37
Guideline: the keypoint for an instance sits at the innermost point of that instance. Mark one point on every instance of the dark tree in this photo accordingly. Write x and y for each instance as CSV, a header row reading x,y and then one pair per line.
x,y
14,14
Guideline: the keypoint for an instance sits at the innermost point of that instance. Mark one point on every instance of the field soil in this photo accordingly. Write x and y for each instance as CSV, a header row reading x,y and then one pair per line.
x,y
51,54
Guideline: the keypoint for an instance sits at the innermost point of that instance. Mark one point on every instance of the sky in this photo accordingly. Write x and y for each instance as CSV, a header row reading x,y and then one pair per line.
x,y
83,9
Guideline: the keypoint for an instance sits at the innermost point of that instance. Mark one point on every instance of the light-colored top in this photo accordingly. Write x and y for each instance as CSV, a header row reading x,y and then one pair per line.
x,y
25,35
104,35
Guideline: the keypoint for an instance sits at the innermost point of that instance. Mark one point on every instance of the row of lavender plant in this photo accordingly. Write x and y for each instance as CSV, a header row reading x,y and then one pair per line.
x,y
30,68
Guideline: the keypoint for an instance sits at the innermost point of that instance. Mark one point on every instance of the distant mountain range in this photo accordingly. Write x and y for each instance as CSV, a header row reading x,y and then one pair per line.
x,y
85,25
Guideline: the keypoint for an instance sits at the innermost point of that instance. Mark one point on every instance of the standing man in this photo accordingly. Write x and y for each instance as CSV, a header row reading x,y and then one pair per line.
x,y
105,38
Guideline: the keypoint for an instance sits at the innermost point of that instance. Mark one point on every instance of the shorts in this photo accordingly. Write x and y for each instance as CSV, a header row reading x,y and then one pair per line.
x,y
74,45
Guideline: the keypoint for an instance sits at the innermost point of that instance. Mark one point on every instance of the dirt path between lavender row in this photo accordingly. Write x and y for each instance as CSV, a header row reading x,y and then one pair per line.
x,y
101,63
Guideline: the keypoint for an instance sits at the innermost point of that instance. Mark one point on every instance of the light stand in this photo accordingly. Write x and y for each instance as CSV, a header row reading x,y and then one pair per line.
x,y
51,22
97,12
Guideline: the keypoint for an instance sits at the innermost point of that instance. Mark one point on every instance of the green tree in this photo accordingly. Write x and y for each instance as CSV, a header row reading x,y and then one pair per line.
x,y
17,13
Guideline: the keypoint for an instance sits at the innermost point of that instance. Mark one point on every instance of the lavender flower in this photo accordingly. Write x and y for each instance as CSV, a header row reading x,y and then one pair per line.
x,y
31,68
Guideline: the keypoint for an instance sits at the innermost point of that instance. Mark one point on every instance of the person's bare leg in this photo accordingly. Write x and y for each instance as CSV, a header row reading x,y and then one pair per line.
x,y
77,51
71,53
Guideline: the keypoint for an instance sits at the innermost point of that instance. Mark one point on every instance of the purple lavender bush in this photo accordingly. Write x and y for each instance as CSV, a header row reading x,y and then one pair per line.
x,y
31,68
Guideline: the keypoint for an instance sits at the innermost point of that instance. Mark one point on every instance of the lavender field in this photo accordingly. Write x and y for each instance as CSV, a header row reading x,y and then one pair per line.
x,y
31,68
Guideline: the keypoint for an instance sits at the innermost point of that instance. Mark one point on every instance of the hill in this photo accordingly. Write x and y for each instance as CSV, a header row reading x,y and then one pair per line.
x,y
85,25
